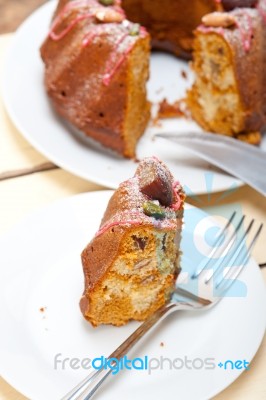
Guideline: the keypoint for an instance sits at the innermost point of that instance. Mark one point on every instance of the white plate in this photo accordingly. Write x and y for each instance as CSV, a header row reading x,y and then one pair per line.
x,y
30,110
40,267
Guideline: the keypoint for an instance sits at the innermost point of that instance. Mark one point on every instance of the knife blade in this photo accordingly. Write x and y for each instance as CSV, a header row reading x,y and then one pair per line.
x,y
240,159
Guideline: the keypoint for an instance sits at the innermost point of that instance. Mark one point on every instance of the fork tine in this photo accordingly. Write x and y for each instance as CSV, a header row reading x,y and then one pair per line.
x,y
232,272
223,251
214,250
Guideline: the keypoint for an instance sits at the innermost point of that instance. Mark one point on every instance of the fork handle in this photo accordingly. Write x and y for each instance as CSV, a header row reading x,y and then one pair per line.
x,y
86,389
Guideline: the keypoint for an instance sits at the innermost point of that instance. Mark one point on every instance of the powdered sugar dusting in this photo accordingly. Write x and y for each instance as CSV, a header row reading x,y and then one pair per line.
x,y
128,201
244,24
146,165
261,6
243,29
117,34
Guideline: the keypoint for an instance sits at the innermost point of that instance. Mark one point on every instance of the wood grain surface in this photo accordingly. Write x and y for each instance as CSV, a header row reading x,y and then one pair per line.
x,y
13,12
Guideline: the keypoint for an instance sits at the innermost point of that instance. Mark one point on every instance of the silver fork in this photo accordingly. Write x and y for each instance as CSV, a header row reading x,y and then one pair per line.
x,y
209,280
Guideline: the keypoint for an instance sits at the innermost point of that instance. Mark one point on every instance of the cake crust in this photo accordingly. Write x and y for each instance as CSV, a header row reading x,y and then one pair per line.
x,y
131,264
96,72
229,95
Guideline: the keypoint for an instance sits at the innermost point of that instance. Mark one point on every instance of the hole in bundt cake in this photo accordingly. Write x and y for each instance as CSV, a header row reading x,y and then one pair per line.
x,y
101,114
63,93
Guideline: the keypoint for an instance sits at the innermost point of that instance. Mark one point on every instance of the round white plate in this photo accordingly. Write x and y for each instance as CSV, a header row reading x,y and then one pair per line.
x,y
40,268
31,112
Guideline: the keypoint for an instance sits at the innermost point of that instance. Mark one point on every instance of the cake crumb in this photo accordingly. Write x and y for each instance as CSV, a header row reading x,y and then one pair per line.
x,y
42,309
174,110
155,122
162,344
183,74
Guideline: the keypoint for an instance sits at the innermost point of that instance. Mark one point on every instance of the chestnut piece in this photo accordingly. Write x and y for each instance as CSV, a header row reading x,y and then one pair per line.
x,y
231,4
155,181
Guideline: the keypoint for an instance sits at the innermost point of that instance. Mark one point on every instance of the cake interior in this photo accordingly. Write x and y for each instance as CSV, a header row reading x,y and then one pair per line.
x,y
139,281
214,98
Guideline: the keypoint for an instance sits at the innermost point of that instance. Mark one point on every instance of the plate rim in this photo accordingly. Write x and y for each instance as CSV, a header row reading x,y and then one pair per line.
x,y
106,194
74,169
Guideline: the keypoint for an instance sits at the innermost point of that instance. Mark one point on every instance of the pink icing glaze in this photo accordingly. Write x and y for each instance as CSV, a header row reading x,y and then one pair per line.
x,y
143,31
60,35
178,202
77,5
139,222
134,215
246,32
113,65
245,29
261,7
89,38
206,29
115,61
63,14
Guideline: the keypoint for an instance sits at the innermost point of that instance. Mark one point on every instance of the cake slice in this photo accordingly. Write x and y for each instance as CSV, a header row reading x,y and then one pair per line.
x,y
96,68
229,93
131,264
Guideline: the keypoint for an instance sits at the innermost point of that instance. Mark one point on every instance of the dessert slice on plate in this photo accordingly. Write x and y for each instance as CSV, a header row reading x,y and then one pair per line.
x,y
229,95
131,265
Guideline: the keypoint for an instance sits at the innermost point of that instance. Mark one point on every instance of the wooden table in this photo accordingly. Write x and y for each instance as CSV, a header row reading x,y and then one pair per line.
x,y
13,12
28,181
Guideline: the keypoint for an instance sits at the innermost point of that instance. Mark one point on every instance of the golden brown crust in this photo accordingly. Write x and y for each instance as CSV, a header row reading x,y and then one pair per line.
x,y
124,208
249,67
91,79
250,137
122,259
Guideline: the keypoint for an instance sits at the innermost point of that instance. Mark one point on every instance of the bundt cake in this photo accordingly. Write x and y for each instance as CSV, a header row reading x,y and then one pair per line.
x,y
97,65
229,93
131,264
